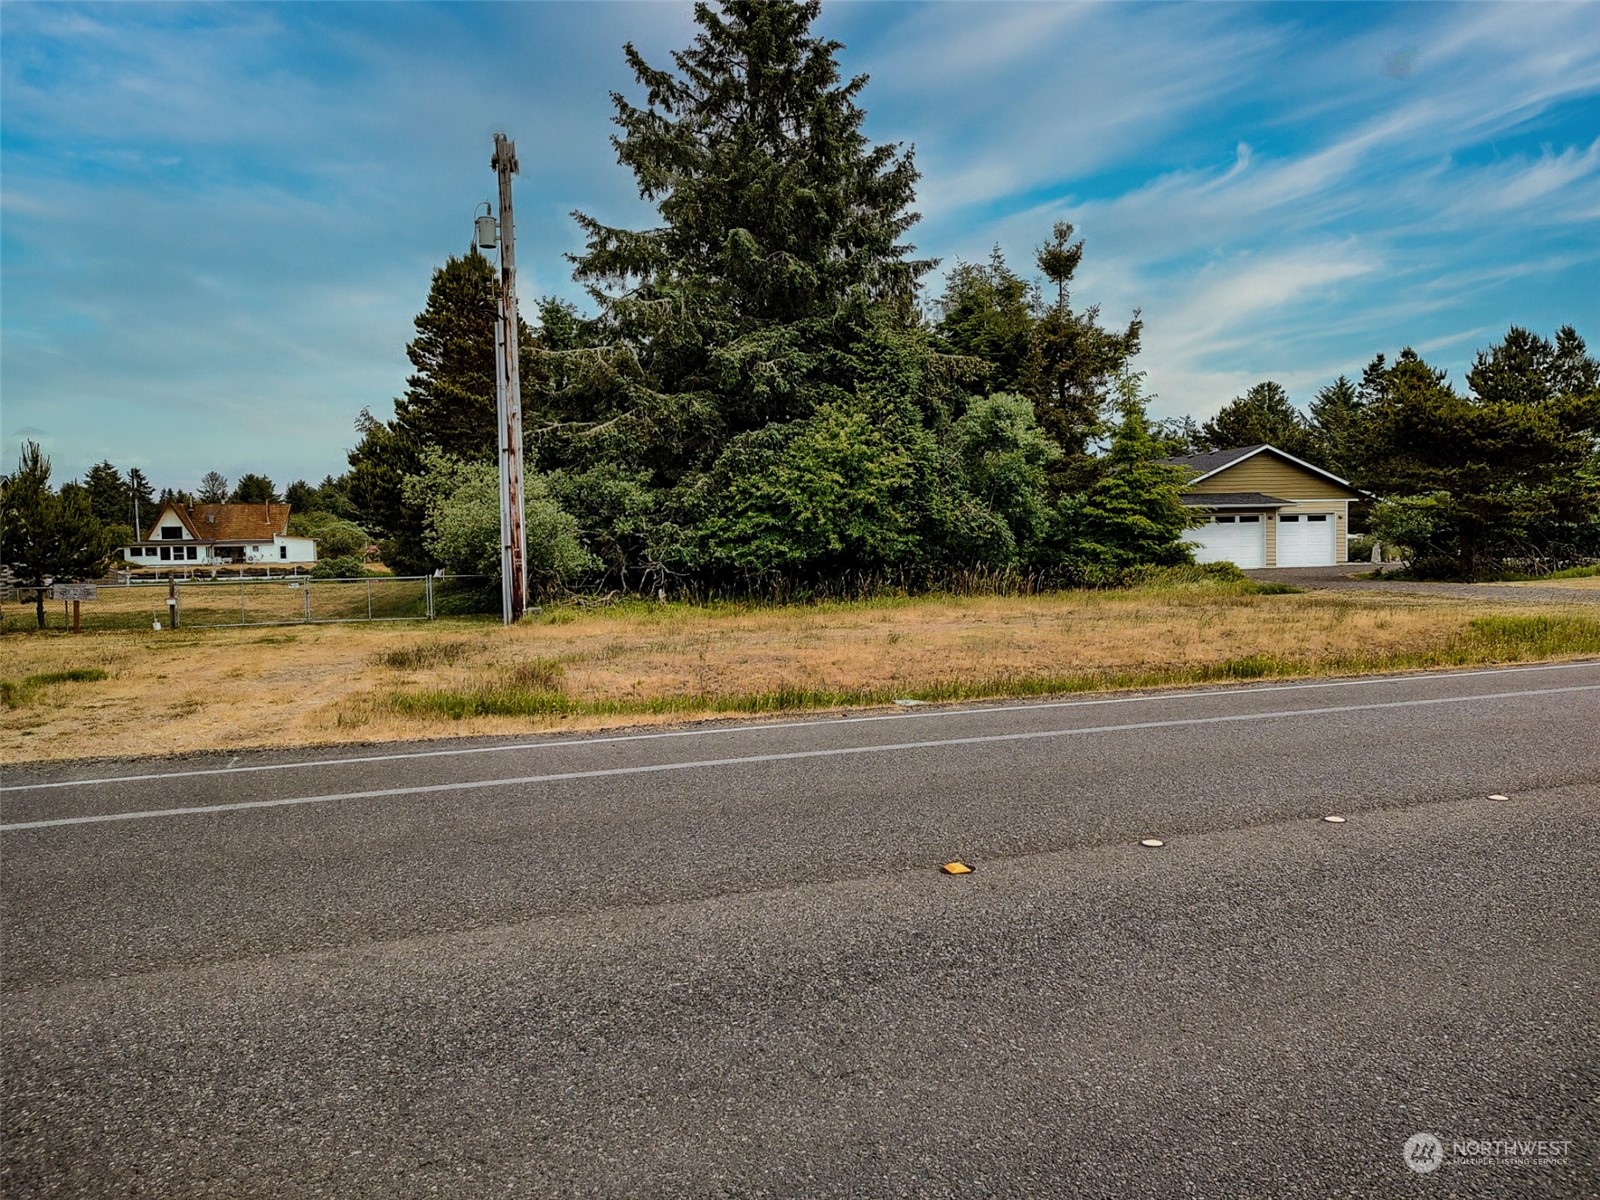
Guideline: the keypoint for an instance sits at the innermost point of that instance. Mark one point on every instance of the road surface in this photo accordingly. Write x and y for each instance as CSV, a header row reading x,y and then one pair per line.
x,y
721,961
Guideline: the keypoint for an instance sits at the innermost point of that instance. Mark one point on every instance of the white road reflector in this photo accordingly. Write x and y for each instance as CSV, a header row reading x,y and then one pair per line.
x,y
1334,820
1498,796
1152,842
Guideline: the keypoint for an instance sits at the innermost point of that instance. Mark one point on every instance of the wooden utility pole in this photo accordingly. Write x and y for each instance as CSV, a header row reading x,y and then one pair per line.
x,y
508,399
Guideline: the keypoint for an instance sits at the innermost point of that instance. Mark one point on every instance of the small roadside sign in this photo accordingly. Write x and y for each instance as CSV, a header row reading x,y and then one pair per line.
x,y
77,593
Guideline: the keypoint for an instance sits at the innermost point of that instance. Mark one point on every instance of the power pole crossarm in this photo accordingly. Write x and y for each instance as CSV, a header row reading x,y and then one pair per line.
x,y
508,398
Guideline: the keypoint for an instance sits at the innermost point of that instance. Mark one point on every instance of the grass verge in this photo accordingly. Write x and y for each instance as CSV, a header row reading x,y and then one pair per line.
x,y
582,667
1496,639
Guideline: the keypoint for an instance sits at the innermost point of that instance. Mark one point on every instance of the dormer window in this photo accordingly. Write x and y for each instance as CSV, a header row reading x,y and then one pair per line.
x,y
171,533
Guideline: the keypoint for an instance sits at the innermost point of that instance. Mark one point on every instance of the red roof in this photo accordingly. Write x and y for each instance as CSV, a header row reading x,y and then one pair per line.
x,y
228,522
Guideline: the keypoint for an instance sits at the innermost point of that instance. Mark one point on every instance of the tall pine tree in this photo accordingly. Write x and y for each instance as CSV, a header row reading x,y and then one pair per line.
x,y
448,405
47,535
1073,362
777,215
1264,415
108,495
776,284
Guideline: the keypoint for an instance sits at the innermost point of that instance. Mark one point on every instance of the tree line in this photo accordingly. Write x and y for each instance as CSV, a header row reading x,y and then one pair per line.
x,y
762,394
763,398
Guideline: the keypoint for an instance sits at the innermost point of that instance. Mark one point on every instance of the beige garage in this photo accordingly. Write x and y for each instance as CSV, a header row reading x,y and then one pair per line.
x,y
1267,508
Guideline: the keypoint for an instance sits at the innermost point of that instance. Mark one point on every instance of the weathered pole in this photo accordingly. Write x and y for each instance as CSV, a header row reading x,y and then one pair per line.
x,y
508,400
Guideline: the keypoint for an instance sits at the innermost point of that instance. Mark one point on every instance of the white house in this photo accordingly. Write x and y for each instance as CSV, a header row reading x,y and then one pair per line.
x,y
200,535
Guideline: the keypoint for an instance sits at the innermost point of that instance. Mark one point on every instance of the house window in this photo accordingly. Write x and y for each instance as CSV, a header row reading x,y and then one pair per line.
x,y
1226,520
171,533
1317,517
135,552
1287,517
283,552
1250,518
166,553
191,552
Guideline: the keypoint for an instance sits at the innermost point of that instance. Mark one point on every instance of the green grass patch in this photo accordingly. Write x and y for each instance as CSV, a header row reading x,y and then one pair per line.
x,y
1525,577
1253,588
1509,638
16,695
424,655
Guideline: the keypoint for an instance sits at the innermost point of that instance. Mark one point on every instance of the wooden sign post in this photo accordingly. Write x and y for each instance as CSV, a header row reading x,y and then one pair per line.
x,y
77,593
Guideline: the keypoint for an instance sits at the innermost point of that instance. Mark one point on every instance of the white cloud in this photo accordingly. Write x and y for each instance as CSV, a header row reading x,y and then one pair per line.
x,y
250,200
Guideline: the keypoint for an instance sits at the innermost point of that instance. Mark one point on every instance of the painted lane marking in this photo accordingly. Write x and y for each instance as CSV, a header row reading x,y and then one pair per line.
x,y
975,709
790,756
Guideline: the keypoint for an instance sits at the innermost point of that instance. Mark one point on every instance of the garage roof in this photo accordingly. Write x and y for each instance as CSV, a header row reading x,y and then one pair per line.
x,y
1207,465
1233,500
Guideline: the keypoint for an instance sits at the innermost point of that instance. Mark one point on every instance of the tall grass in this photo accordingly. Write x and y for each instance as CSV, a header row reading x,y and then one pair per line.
x,y
423,655
17,695
1485,640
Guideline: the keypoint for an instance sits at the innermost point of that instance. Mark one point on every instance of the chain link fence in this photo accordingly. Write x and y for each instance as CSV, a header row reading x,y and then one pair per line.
x,y
231,603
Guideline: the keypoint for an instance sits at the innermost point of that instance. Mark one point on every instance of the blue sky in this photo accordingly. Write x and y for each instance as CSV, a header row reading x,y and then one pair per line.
x,y
217,222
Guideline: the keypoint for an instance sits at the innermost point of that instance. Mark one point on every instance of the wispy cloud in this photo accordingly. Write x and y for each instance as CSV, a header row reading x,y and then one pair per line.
x,y
220,220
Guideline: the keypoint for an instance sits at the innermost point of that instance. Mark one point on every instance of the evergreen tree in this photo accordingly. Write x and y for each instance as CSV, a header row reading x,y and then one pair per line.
x,y
213,488
45,536
300,496
333,494
449,400
1469,480
1073,362
776,284
778,218
254,489
1178,436
989,312
1524,368
1336,427
449,405
1132,514
774,206
379,465
108,495
1263,415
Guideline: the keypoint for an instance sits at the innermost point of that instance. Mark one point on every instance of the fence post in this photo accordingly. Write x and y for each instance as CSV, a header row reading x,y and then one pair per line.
x,y
369,599
428,584
307,598
241,599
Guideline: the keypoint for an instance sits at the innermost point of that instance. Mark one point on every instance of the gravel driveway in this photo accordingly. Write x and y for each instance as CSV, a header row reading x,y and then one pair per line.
x,y
1346,578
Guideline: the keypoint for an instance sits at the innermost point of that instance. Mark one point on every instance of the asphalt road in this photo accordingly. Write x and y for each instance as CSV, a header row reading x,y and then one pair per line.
x,y
722,961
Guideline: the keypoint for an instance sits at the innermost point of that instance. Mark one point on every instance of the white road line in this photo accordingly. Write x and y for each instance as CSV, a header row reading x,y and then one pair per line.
x,y
972,709
832,752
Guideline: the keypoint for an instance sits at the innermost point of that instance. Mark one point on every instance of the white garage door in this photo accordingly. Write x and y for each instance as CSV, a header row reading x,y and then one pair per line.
x,y
1306,539
1241,540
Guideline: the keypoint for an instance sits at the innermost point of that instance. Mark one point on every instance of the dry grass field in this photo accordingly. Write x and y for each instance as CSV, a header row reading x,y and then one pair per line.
x,y
140,692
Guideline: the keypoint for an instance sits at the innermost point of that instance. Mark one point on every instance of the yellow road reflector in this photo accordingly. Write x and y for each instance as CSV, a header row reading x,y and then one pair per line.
x,y
956,868
1334,820
1152,842
1498,796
